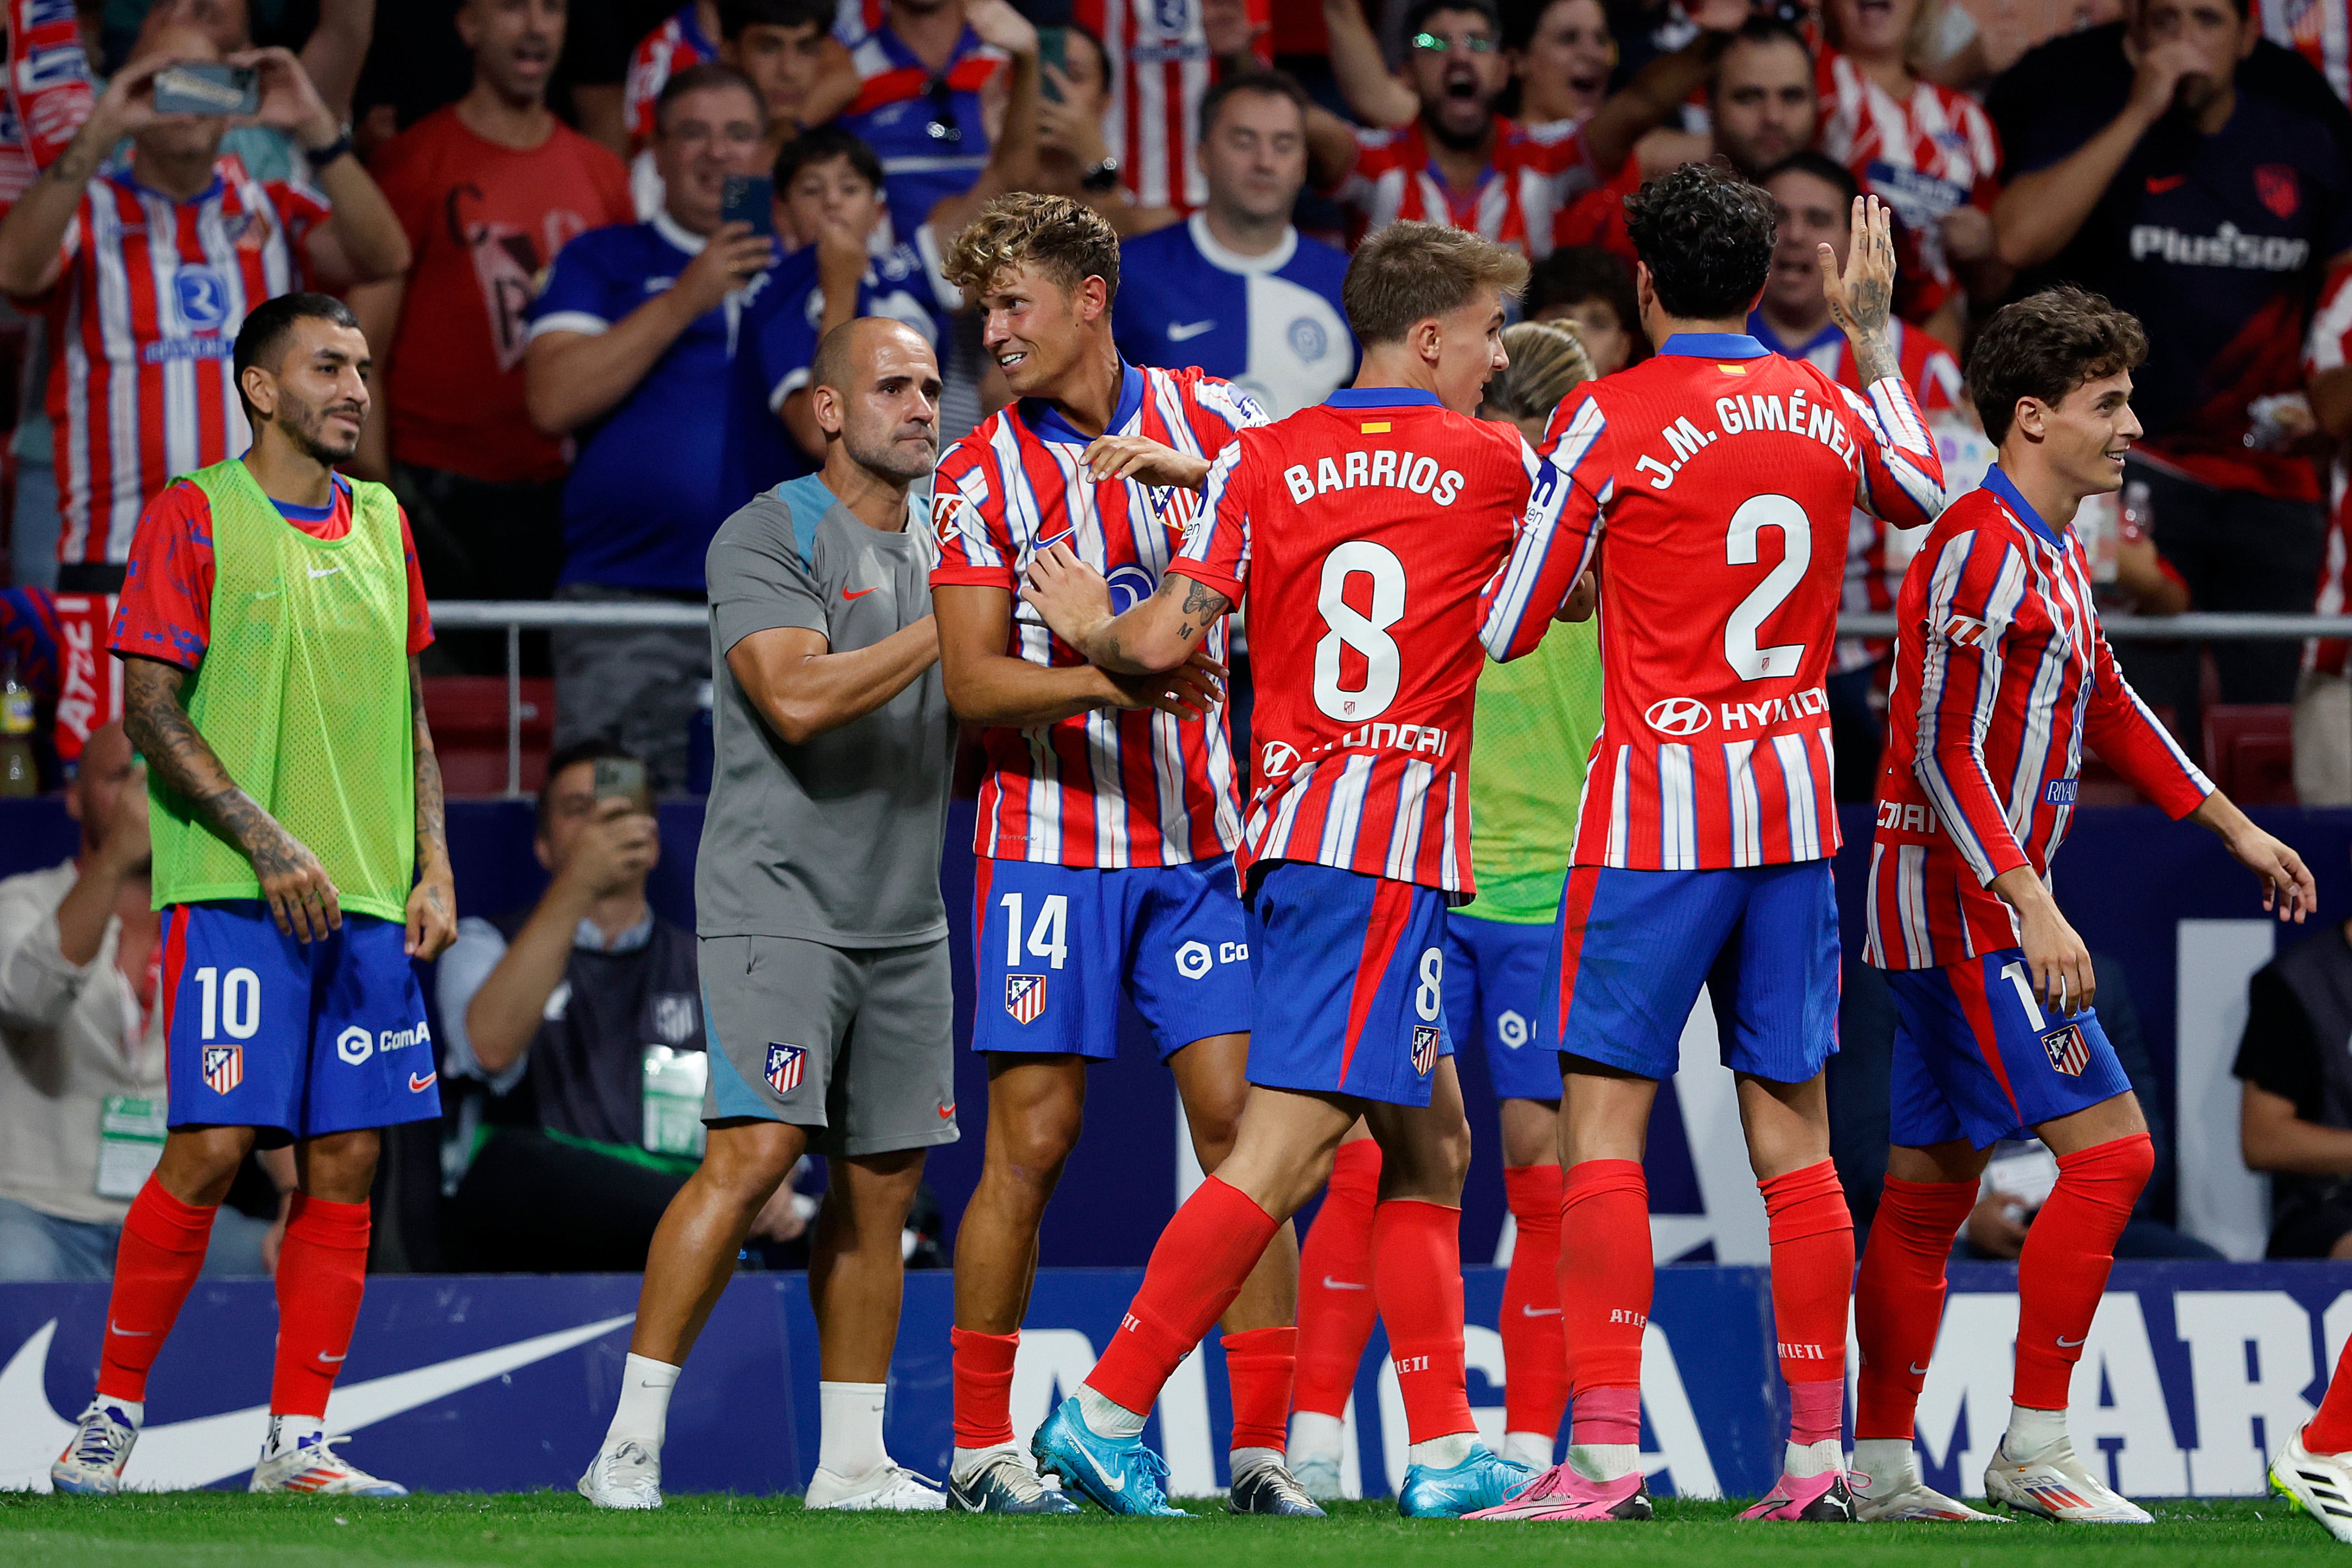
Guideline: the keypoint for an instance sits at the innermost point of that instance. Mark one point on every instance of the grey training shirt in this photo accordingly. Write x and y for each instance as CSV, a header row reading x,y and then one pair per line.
x,y
836,840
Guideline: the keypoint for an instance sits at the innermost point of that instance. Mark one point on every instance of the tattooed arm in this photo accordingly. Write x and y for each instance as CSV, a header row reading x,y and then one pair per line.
x,y
1862,296
1162,632
433,902
33,233
302,900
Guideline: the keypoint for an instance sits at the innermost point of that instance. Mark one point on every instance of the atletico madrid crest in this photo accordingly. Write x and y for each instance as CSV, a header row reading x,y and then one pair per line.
x,y
1425,1048
224,1067
1025,997
785,1065
2067,1052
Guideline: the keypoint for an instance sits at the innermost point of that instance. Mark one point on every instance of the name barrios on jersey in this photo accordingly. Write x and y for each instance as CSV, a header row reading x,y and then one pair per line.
x,y
1743,413
1385,467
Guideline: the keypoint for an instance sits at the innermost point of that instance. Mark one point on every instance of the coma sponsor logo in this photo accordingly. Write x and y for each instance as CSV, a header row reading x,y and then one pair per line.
x,y
356,1045
1192,961
401,1039
1512,1030
2225,246
1678,716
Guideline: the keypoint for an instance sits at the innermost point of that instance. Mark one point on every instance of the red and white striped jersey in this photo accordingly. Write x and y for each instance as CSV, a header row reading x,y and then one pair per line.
x,y
2329,348
145,320
1700,472
677,43
1922,156
1378,540
2318,30
2002,674
1533,171
1934,378
1108,789
1160,67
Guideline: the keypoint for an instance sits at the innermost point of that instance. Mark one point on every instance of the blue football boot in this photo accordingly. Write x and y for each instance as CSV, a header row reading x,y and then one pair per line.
x,y
1118,1473
1482,1480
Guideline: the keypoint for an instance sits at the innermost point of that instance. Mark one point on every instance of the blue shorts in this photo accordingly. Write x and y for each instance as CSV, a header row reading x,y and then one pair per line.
x,y
1976,1057
1494,991
263,1030
1634,947
1057,945
1351,969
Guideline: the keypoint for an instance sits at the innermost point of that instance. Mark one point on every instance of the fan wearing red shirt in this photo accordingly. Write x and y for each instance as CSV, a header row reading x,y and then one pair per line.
x,y
488,190
1704,841
1376,541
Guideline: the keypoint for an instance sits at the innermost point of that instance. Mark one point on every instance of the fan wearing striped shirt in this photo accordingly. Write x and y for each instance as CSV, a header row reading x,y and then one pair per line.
x,y
2001,678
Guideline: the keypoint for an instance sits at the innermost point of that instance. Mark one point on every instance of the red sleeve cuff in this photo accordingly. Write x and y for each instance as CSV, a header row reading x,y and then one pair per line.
x,y
1209,577
946,576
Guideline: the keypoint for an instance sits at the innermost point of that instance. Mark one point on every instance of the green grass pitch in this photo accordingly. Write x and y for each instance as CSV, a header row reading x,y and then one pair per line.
x,y
228,1530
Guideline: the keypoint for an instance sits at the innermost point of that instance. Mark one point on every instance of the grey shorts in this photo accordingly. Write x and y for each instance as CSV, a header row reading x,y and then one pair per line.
x,y
856,1044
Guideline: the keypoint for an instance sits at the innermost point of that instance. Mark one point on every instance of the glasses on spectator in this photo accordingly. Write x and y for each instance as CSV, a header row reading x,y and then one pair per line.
x,y
943,126
1438,43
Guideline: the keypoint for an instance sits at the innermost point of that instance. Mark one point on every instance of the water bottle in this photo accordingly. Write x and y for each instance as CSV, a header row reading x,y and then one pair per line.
x,y
20,775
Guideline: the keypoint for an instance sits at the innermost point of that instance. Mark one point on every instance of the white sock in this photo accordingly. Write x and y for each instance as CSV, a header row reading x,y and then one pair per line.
x,y
643,1412
287,1432
2031,1432
1105,1419
1605,1461
1239,1462
130,1412
1805,1460
1882,1464
1442,1453
1530,1448
967,1460
1315,1436
849,1434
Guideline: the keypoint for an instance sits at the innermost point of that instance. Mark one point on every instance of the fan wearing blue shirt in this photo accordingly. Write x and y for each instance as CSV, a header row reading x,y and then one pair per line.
x,y
1236,290
633,352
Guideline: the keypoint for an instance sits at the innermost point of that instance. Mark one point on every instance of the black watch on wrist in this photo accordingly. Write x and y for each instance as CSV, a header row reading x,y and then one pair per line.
x,y
320,157
1103,176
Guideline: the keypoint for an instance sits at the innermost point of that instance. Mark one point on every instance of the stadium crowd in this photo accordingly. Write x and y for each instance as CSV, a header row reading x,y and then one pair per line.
x,y
593,254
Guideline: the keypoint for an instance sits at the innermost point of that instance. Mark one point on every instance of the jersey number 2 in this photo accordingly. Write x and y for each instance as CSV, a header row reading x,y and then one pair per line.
x,y
1351,628
1755,514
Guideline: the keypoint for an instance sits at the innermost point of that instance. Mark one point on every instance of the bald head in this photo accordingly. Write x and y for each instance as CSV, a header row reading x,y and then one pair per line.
x,y
875,390
96,799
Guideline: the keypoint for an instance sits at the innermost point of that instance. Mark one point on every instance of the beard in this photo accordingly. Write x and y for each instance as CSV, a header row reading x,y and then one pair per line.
x,y
304,425
904,460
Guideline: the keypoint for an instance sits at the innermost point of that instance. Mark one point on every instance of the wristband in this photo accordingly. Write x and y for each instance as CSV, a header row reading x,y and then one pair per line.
x,y
319,158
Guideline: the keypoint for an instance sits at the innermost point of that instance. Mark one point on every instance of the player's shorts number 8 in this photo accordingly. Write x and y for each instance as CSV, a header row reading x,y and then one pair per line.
x,y
1367,634
1755,514
1430,994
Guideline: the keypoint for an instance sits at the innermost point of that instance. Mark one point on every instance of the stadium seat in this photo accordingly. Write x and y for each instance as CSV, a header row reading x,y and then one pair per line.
x,y
468,716
2250,752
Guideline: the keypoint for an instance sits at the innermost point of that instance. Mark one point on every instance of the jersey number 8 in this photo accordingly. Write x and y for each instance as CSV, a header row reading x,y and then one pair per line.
x,y
1351,628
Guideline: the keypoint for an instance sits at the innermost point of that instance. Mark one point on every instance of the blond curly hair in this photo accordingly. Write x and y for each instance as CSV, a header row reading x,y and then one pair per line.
x,y
1067,240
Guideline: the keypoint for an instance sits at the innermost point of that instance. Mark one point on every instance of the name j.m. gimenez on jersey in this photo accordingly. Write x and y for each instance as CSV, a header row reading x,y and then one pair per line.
x,y
1741,414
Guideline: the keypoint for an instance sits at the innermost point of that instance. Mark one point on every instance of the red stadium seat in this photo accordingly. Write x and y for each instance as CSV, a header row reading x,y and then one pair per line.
x,y
2250,752
468,716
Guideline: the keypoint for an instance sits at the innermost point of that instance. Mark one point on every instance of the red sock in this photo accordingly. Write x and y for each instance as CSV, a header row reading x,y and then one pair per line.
x,y
1334,1283
983,1386
1417,1281
1610,1414
1535,1352
1899,1300
1606,1279
160,1255
1812,1272
1258,1366
321,1274
2330,1431
2063,1269
1196,1270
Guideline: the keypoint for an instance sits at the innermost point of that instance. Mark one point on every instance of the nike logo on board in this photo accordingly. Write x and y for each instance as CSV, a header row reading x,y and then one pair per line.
x,y
1185,331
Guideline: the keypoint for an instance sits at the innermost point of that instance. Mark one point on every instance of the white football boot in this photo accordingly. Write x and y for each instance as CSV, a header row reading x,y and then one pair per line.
x,y
2318,1484
888,1486
2054,1484
313,1466
624,1474
1888,1489
94,1456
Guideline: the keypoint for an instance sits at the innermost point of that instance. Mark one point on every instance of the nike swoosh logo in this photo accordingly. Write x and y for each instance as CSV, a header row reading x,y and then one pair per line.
x,y
1918,1370
2158,184
861,592
1185,331
2065,1343
330,1360
319,572
129,1333
419,1085
1331,1284
184,1455
1117,1486
947,1110
1539,1311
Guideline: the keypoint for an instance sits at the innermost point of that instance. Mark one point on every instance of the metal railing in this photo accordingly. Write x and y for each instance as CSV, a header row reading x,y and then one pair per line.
x,y
517,616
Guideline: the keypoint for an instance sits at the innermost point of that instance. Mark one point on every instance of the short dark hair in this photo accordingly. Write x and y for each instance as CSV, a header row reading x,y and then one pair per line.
x,y
1272,83
822,144
701,78
595,748
1102,50
734,15
1820,166
1419,13
1574,274
1706,236
2043,347
261,340
1761,28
